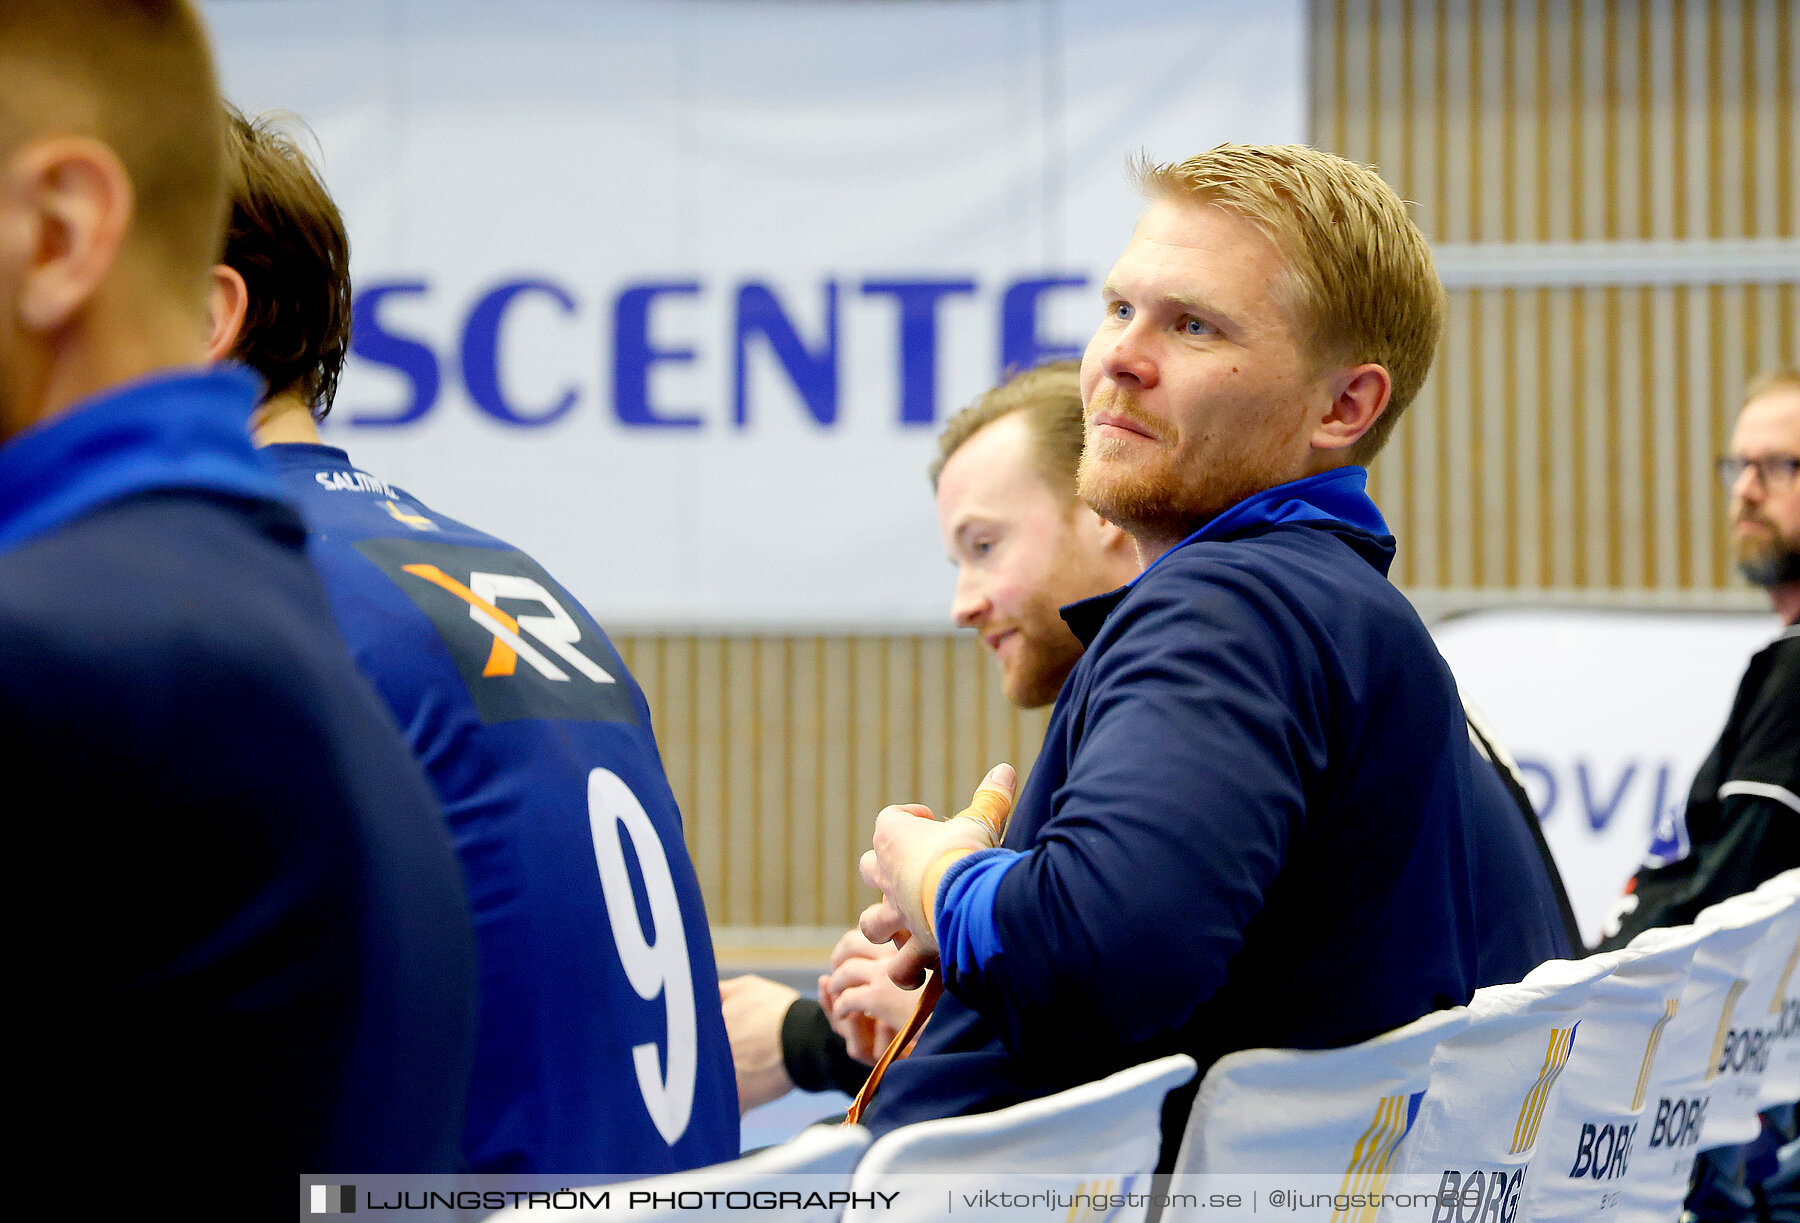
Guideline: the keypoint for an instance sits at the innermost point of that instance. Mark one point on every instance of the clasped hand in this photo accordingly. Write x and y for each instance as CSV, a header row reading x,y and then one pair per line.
x,y
912,851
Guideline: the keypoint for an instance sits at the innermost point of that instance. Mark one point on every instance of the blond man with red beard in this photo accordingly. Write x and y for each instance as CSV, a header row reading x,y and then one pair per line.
x,y
1742,820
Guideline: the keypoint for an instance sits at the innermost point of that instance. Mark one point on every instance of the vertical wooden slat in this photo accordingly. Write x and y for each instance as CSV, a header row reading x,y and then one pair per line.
x,y
1637,340
1592,558
1701,393
1527,405
1748,109
1781,69
1332,55
1679,463
1463,445
1511,526
1613,144
707,773
1762,124
770,668
869,794
1552,124
1648,207
804,778
1663,335
1787,333
1590,141
1673,37
1609,471
968,715
1557,390
1728,366
738,790
843,823
1709,119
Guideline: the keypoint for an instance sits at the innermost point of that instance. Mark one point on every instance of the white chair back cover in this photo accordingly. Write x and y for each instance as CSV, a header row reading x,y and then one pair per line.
x,y
1100,1138
1342,1112
1754,1030
1591,1129
814,1167
1680,1099
1490,1086
1781,1081
1787,883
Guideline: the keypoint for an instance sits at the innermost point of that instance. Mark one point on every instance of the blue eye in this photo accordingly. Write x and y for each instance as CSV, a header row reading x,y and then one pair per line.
x,y
1120,310
1194,326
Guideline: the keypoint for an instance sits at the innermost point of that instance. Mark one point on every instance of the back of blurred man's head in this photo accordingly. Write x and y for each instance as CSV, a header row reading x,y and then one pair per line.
x,y
112,191
286,240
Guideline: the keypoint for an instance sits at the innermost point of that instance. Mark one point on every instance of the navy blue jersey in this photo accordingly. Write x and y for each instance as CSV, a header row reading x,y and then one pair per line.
x,y
242,948
600,1047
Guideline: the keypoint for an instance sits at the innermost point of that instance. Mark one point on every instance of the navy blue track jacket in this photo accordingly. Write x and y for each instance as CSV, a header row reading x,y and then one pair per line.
x,y
1257,820
241,946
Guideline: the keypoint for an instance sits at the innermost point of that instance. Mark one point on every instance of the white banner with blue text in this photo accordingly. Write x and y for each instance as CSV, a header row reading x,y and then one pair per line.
x,y
675,294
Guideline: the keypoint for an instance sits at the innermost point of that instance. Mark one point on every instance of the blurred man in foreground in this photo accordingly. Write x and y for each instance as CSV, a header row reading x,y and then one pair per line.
x,y
1256,819
1742,820
1023,545
600,1048
251,958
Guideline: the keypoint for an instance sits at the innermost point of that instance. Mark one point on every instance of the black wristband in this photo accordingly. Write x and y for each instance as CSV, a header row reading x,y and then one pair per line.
x,y
815,1057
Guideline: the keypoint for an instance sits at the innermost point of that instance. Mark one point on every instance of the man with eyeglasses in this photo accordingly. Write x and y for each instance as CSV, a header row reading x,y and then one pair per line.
x,y
1742,822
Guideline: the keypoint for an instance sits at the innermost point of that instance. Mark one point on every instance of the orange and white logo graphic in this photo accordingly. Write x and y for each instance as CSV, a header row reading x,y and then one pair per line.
x,y
558,630
522,645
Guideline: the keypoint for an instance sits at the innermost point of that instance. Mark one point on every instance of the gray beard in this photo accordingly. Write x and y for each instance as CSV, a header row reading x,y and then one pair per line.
x,y
1776,568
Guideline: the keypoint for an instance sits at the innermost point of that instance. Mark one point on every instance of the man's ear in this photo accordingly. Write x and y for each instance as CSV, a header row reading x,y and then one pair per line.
x,y
1108,544
225,309
1359,396
1112,537
75,199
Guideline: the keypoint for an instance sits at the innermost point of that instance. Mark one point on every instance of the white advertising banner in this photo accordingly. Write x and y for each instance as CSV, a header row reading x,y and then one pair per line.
x,y
1609,715
675,294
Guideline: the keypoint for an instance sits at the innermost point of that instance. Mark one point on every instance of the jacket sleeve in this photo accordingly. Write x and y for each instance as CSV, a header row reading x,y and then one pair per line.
x,y
1204,728
1753,826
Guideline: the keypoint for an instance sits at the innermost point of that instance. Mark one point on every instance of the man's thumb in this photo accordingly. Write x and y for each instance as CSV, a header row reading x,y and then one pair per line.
x,y
993,800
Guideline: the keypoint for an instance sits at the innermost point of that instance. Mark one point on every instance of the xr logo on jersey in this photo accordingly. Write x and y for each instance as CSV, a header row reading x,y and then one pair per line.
x,y
524,647
558,630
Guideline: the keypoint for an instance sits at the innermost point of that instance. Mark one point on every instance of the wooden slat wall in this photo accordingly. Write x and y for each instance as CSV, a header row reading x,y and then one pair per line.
x,y
782,749
1565,440
1563,445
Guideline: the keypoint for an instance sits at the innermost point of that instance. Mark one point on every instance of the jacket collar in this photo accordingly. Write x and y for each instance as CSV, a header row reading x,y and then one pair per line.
x,y
185,429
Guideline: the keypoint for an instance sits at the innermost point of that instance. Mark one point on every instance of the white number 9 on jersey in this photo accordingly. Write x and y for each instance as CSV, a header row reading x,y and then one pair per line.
x,y
652,968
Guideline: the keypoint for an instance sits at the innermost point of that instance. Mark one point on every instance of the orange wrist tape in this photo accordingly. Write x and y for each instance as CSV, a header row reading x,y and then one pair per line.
x,y
929,881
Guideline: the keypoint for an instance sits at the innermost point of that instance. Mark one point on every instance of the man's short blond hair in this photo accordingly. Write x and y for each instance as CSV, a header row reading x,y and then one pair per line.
x,y
1050,397
1774,380
1360,284
137,76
